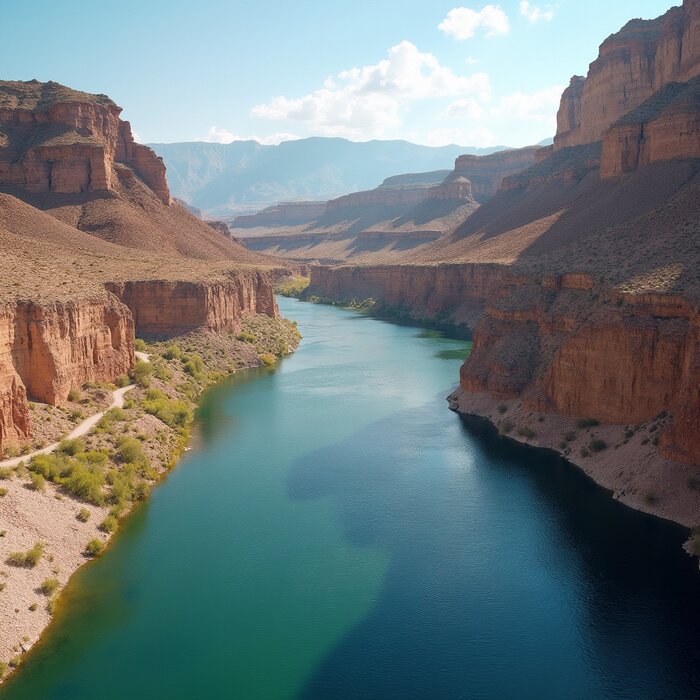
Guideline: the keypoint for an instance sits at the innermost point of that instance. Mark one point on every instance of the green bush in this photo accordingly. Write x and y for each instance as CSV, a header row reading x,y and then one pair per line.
x,y
74,394
140,345
505,427
172,353
502,408
6,473
246,337
129,450
83,515
36,482
109,524
122,380
584,452
34,606
94,547
141,373
71,447
268,359
292,286
175,413
526,433
570,436
28,559
49,586
3,492
85,482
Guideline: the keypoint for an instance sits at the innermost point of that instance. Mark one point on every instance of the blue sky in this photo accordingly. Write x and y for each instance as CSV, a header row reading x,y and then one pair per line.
x,y
471,73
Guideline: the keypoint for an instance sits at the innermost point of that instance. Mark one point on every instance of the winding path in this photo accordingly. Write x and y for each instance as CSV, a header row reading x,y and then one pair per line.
x,y
82,428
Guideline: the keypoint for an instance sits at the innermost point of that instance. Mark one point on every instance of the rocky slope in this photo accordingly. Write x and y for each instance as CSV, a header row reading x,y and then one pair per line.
x,y
579,277
94,249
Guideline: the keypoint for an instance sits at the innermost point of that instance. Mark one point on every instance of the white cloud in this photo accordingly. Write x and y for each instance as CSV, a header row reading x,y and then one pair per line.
x,y
462,22
217,135
539,106
465,107
534,13
367,101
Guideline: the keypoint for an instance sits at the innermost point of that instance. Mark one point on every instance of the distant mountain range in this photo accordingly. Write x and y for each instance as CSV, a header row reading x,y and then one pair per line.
x,y
245,176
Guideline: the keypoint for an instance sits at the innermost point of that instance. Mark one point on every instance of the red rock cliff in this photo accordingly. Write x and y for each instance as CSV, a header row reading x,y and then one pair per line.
x,y
162,308
46,349
60,140
631,66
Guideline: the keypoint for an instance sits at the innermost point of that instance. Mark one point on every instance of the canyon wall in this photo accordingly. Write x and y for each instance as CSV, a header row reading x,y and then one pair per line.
x,y
46,349
631,66
166,309
282,213
486,173
447,291
59,140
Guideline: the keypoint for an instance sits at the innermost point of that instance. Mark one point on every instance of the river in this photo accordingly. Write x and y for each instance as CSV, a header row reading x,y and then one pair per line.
x,y
339,533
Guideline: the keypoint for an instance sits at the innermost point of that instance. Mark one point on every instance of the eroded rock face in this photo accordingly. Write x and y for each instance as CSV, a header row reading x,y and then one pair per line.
x,y
62,141
631,66
46,349
486,173
167,309
564,349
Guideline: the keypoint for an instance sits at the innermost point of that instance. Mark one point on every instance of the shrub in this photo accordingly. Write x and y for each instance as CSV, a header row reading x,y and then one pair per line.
x,y
15,661
109,524
526,433
584,452
502,408
651,498
141,373
175,413
3,533
246,337
563,445
83,515
71,447
85,482
37,482
570,436
173,353
94,547
28,559
6,473
122,380
597,445
268,359
3,668
586,423
33,606
74,394
140,345
655,440
506,427
49,586
129,450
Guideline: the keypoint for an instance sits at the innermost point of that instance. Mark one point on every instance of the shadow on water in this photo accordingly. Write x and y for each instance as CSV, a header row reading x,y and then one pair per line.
x,y
587,597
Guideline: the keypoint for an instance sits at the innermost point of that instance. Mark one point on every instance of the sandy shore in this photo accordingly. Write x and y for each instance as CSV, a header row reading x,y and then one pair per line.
x,y
630,466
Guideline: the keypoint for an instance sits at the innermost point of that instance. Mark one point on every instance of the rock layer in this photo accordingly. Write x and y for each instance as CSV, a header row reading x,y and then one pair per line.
x,y
46,349
631,66
58,140
166,309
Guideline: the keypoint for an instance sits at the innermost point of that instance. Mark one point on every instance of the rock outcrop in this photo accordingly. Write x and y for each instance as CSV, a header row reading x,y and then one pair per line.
x,y
631,66
486,173
46,349
284,213
61,140
665,127
166,309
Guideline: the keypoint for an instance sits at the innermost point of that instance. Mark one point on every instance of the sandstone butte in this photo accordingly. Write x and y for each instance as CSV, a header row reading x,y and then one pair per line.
x,y
579,276
96,250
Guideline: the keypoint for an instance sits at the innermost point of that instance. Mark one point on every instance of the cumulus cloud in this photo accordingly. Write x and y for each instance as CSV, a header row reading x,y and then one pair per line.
x,y
365,102
539,106
219,135
463,23
534,13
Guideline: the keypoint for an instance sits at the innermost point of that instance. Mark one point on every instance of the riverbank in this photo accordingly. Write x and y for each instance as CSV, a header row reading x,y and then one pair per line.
x,y
59,510
621,459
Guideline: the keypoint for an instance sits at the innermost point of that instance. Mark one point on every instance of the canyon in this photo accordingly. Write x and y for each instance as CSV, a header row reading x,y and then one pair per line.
x,y
96,251
578,276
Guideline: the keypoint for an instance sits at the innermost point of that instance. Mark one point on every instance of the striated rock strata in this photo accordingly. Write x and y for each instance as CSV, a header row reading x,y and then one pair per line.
x,y
46,349
631,66
164,308
59,140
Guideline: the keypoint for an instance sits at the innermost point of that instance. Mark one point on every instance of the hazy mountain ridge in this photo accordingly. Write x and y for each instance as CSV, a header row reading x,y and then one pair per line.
x,y
225,179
